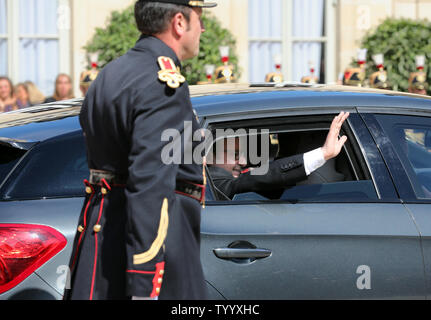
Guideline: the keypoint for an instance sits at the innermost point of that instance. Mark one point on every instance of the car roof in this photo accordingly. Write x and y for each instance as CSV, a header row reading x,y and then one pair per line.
x,y
209,100
22,127
42,122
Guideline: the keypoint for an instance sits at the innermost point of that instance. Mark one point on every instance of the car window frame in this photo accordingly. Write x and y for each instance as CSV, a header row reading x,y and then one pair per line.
x,y
6,187
401,179
12,169
364,141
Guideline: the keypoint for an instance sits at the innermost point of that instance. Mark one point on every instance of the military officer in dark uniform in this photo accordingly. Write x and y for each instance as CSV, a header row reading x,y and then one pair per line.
x,y
139,230
229,178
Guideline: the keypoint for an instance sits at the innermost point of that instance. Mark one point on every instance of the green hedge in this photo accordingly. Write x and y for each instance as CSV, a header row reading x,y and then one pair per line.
x,y
121,34
400,40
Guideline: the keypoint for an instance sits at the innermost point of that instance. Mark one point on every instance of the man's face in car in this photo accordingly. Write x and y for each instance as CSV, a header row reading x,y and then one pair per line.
x,y
231,159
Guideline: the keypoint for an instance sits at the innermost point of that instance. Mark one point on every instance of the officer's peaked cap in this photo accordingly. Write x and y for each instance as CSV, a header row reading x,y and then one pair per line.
x,y
199,3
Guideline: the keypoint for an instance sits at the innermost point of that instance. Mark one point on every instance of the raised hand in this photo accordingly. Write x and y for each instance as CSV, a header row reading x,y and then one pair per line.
x,y
333,143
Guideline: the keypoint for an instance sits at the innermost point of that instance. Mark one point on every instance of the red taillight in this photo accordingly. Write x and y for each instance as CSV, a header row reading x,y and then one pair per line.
x,y
23,249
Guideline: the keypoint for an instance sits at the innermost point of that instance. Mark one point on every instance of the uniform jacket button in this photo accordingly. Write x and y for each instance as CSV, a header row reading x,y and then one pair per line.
x,y
80,229
97,228
88,190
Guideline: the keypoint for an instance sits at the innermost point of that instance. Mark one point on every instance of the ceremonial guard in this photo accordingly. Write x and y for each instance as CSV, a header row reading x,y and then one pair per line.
x,y
277,75
209,73
88,76
224,73
311,78
379,79
356,76
418,80
139,230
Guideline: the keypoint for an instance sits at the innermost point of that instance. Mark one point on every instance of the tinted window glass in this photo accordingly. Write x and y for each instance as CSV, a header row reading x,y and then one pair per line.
x,y
411,138
8,158
53,169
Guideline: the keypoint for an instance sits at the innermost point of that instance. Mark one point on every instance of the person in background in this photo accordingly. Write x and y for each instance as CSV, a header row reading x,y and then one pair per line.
x,y
379,79
87,78
35,95
355,76
63,89
22,96
418,80
7,98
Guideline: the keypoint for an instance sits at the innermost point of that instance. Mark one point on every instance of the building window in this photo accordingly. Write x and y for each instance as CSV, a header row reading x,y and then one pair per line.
x,y
33,41
301,32
3,38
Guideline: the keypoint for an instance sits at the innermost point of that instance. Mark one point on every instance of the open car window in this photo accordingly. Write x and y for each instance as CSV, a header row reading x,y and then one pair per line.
x,y
345,178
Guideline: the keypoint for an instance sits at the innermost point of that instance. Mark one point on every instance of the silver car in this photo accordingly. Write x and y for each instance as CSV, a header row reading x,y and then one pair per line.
x,y
357,228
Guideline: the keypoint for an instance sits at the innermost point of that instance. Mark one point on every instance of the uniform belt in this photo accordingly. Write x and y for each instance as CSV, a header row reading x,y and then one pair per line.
x,y
96,177
185,188
190,189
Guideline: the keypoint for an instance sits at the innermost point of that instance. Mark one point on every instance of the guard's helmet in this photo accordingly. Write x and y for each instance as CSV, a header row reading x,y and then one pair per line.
x,y
274,77
87,77
224,74
417,81
310,79
354,77
379,80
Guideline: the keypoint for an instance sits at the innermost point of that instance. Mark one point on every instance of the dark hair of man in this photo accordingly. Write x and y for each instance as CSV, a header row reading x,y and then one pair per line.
x,y
154,17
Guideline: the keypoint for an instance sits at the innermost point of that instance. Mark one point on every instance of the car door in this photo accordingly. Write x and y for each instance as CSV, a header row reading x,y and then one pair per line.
x,y
335,247
407,151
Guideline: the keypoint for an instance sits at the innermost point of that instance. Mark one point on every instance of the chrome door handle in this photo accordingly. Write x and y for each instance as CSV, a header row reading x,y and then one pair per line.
x,y
240,253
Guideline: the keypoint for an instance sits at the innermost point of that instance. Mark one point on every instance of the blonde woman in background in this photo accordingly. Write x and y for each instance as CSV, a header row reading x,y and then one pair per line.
x,y
35,95
63,89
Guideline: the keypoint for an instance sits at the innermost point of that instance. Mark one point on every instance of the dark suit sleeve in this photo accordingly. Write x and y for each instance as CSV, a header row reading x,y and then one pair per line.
x,y
150,192
281,174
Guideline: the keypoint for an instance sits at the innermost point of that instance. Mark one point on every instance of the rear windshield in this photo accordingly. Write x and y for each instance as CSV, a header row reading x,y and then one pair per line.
x,y
8,159
55,168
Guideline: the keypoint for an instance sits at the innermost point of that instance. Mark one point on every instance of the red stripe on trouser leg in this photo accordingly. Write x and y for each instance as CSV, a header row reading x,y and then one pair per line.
x,y
96,248
82,233
94,267
86,183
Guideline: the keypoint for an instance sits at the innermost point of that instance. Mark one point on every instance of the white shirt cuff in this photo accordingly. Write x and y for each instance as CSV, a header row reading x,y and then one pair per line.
x,y
313,160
